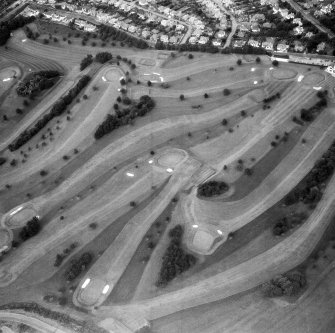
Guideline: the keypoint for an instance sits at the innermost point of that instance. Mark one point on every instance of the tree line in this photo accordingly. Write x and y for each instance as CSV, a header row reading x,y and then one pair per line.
x,y
116,34
175,260
311,189
311,113
8,26
125,116
57,109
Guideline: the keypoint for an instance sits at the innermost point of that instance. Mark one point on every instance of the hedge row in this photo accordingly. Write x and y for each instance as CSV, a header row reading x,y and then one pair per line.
x,y
58,108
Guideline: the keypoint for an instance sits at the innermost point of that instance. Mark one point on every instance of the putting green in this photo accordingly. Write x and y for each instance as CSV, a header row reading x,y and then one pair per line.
x,y
171,159
312,79
203,241
284,74
19,219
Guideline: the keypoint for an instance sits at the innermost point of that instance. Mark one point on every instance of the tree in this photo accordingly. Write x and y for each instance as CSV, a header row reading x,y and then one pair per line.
x,y
226,92
206,95
190,56
275,63
239,62
258,60
149,83
181,97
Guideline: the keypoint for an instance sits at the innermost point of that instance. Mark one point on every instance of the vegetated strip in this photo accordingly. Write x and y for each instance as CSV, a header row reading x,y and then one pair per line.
x,y
58,108
310,191
64,319
175,260
126,116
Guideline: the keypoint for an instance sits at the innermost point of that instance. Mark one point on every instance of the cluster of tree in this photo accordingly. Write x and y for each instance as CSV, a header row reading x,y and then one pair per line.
x,y
86,62
31,229
37,82
271,98
310,191
287,223
125,116
60,257
75,325
312,112
103,57
175,260
116,34
212,188
57,109
78,266
8,26
288,284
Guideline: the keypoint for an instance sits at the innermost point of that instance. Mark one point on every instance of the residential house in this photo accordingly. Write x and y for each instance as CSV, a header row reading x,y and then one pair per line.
x,y
268,44
217,42
282,46
298,30
203,40
298,46
321,47
254,42
239,43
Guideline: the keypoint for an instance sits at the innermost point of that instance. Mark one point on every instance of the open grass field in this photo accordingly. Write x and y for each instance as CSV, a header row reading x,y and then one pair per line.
x,y
118,199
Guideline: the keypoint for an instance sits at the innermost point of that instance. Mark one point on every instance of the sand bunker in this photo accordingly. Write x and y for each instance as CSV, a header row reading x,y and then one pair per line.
x,y
171,159
313,79
19,219
284,74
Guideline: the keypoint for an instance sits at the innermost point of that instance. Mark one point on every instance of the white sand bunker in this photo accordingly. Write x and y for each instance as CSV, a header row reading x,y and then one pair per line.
x,y
203,241
20,218
90,295
5,239
313,79
171,159
284,74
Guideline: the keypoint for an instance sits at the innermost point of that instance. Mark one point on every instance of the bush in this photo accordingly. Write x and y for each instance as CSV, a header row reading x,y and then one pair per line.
x,y
31,229
78,266
103,57
288,284
226,92
212,188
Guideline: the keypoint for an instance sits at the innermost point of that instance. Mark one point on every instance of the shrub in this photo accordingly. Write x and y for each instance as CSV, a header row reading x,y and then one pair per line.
x,y
212,188
226,92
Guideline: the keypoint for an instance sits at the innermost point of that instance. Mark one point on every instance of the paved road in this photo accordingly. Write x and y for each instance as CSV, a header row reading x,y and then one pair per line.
x,y
38,324
310,18
234,23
